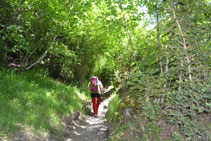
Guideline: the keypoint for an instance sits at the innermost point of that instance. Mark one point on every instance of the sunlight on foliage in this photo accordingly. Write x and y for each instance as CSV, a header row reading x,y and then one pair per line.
x,y
113,105
31,100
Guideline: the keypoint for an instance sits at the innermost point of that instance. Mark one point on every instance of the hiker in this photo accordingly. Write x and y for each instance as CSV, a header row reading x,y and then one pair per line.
x,y
96,88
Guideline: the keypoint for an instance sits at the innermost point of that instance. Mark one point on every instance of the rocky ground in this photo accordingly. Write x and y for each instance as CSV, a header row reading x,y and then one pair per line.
x,y
91,128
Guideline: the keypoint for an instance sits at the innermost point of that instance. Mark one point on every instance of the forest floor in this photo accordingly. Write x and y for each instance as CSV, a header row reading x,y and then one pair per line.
x,y
90,128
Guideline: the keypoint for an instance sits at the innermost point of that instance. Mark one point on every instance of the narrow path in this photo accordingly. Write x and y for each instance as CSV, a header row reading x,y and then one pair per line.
x,y
93,128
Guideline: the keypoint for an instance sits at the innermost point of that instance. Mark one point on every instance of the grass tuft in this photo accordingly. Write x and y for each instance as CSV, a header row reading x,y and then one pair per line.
x,y
113,107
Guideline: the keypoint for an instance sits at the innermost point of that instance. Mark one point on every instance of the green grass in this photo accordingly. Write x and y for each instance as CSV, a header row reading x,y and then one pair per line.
x,y
113,107
120,131
31,99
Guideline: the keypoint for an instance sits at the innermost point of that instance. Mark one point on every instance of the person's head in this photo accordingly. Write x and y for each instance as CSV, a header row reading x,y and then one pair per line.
x,y
95,77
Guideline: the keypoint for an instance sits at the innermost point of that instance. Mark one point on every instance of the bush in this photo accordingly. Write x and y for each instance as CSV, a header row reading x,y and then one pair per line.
x,y
157,109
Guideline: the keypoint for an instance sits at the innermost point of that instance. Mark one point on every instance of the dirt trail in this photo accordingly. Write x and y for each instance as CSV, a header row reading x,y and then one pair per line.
x,y
92,128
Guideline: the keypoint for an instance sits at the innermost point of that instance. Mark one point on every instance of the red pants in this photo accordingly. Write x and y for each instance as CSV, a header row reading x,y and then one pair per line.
x,y
95,104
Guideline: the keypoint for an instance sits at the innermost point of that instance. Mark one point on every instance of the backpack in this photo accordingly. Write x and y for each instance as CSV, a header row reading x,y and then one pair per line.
x,y
94,84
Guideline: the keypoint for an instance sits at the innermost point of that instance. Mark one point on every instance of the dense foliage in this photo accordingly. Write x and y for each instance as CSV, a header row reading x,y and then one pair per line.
x,y
155,52
170,99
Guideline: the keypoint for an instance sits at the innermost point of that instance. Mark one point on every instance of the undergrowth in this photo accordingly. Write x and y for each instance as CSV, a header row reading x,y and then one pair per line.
x,y
31,99
162,113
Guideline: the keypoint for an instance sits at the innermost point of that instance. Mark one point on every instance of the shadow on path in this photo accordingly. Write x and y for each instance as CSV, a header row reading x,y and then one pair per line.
x,y
92,128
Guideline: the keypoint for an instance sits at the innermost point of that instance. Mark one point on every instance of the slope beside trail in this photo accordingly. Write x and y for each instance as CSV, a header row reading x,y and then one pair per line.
x,y
91,128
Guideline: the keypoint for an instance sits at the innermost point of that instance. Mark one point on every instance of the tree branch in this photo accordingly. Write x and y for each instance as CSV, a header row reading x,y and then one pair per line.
x,y
159,44
36,62
131,42
26,58
183,38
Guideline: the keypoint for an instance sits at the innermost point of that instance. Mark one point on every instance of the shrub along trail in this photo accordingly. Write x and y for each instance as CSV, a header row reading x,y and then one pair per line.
x,y
91,128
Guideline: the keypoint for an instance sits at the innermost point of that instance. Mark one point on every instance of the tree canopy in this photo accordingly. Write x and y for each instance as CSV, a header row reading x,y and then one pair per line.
x,y
161,47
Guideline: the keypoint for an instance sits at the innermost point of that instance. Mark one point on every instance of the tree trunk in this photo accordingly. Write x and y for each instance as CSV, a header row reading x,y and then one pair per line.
x,y
36,62
131,43
159,44
184,40
167,66
159,49
180,74
14,15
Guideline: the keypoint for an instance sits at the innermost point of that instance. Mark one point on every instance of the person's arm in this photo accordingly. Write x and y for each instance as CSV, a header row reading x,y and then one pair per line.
x,y
101,90
101,87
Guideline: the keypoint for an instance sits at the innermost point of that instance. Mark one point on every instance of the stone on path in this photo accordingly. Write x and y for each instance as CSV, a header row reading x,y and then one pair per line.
x,y
93,128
